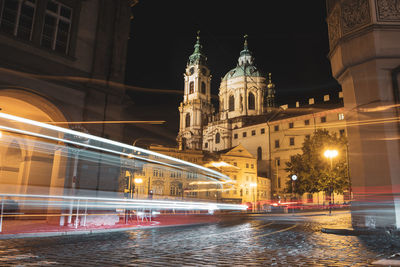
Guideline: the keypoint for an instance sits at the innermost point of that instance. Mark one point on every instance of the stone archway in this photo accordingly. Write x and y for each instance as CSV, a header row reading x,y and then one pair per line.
x,y
24,167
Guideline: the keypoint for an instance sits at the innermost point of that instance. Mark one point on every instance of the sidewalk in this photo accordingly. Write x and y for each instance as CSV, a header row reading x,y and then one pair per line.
x,y
41,228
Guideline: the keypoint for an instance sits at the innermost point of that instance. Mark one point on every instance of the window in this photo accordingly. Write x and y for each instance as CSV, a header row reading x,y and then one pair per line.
x,y
277,161
291,124
259,153
217,138
244,134
307,137
191,87
262,131
231,103
323,119
16,17
276,143
341,116
56,27
247,166
234,164
276,128
158,173
253,132
235,136
307,122
291,141
341,132
203,87
252,101
187,120
206,145
252,166
234,177
279,182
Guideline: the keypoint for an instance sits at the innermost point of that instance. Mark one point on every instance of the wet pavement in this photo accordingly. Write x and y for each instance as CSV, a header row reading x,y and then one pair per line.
x,y
254,241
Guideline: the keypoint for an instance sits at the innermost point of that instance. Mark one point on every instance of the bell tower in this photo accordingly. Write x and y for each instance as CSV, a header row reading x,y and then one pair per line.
x,y
196,106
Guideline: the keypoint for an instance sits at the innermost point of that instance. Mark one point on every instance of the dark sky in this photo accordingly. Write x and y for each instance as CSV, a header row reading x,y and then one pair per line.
x,y
287,37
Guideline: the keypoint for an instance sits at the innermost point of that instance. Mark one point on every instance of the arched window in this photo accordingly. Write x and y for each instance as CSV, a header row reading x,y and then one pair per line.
x,y
259,153
191,87
252,101
187,120
217,138
231,103
203,87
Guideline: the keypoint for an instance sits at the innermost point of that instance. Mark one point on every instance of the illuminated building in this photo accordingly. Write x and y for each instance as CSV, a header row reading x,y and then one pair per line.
x,y
248,116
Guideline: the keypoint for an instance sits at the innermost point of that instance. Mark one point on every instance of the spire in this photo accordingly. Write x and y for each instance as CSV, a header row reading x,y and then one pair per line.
x,y
245,55
270,93
197,57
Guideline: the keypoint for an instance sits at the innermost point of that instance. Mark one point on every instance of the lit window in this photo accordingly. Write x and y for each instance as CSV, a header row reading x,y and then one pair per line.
x,y
323,119
276,128
57,27
291,124
341,116
291,141
16,18
253,132
262,130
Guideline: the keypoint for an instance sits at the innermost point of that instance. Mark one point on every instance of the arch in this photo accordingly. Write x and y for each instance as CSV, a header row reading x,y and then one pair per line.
x,y
217,138
203,88
191,87
251,101
259,153
187,120
231,103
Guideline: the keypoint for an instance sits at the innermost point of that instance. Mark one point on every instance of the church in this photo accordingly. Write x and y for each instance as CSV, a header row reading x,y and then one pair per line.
x,y
249,116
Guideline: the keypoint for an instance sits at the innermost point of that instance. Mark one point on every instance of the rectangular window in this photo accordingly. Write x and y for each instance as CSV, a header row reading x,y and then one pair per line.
x,y
57,27
247,165
276,143
341,132
17,17
244,134
234,164
307,137
262,130
253,132
252,166
291,124
323,119
235,136
276,128
341,116
206,145
307,122
279,182
291,141
277,161
234,177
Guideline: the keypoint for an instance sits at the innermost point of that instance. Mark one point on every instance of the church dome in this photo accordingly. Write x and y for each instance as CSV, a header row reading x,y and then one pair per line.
x,y
245,66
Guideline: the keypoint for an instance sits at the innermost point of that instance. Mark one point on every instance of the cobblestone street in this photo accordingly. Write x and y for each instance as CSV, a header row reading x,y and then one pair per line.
x,y
258,240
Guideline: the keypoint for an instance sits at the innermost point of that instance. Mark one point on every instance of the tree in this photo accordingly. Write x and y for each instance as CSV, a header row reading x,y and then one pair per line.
x,y
314,171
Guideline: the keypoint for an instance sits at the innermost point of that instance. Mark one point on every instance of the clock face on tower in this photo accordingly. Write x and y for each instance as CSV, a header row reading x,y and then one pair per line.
x,y
191,71
204,71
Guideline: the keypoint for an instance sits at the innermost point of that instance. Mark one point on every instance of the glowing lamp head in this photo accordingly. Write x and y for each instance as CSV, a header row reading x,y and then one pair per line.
x,y
253,185
331,153
138,180
294,177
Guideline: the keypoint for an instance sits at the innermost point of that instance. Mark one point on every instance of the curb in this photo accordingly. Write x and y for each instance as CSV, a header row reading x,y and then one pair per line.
x,y
89,232
353,232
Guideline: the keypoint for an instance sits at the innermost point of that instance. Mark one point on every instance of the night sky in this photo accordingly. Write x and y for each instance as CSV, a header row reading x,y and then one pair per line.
x,y
288,38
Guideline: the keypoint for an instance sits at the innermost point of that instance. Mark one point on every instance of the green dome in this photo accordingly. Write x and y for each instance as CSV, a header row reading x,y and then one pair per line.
x,y
245,67
244,70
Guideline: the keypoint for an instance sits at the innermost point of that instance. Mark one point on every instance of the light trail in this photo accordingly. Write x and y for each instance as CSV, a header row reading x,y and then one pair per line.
x,y
104,122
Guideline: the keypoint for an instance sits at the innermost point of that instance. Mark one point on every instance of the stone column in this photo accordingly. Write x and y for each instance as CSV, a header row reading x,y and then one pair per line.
x,y
364,38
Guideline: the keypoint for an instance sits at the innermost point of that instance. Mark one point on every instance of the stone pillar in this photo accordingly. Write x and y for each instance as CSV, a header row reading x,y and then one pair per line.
x,y
364,37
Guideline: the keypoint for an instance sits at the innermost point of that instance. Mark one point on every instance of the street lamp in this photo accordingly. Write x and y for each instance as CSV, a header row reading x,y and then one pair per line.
x,y
254,185
138,181
330,154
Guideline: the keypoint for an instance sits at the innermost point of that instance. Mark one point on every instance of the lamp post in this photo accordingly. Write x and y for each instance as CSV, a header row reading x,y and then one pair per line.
x,y
330,154
293,178
254,186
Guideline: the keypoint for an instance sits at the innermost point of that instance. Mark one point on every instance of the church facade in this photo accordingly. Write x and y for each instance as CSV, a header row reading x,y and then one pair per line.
x,y
249,116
